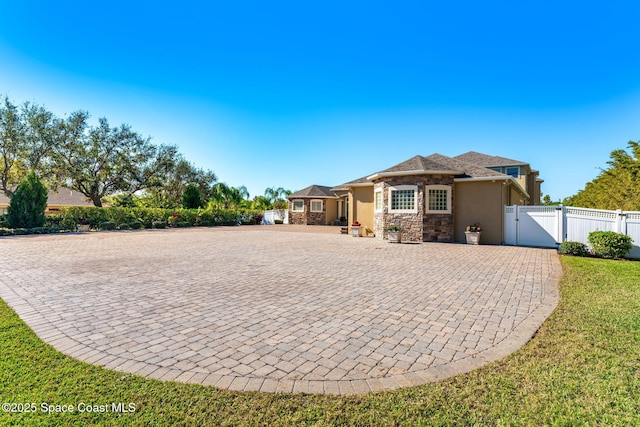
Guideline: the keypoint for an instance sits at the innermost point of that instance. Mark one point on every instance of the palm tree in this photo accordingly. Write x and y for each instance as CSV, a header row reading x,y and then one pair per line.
x,y
244,193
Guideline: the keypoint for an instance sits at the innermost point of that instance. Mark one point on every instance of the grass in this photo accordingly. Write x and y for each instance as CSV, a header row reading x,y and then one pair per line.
x,y
581,368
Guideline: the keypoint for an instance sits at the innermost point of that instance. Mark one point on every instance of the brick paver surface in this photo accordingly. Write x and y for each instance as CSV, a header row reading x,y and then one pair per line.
x,y
273,309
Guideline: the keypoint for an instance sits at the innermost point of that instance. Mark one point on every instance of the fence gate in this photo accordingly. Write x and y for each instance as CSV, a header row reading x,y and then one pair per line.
x,y
548,226
533,226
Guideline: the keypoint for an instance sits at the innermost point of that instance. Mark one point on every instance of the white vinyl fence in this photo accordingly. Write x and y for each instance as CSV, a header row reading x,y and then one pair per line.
x,y
549,226
271,216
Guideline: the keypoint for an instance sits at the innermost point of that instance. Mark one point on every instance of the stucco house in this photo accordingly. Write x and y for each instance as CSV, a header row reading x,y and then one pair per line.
x,y
432,198
56,200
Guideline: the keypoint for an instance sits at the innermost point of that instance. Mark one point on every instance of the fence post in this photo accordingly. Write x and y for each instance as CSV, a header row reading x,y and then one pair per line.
x,y
560,220
617,225
622,220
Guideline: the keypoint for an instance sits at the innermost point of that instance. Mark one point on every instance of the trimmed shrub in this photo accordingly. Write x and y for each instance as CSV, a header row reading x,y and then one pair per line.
x,y
135,225
191,198
124,226
3,221
107,225
182,224
278,221
608,244
158,224
28,203
574,249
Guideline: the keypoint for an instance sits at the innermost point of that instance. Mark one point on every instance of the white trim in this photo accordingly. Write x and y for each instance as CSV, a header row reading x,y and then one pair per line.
x,y
293,205
375,194
404,188
447,188
321,205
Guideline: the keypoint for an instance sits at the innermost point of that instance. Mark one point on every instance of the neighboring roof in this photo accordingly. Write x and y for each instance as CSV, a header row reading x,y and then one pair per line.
x,y
488,161
319,191
62,197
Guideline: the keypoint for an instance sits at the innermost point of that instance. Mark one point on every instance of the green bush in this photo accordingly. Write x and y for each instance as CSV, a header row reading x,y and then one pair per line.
x,y
608,244
158,224
191,198
28,203
135,225
183,224
107,225
124,226
278,221
574,248
3,221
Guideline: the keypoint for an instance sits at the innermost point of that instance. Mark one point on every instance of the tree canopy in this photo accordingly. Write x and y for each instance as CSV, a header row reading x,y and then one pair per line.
x,y
617,187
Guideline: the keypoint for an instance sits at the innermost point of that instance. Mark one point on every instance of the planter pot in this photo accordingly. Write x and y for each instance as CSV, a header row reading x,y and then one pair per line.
x,y
473,237
355,231
394,236
83,227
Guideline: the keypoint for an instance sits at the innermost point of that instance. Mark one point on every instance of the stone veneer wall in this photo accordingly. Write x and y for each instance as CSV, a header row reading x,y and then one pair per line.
x,y
440,227
307,217
420,226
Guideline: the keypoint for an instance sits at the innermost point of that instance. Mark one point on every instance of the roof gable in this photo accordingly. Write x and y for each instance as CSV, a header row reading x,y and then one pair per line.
x,y
320,191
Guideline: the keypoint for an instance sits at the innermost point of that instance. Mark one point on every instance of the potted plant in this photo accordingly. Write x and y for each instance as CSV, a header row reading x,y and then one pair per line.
x,y
355,229
472,234
83,224
393,233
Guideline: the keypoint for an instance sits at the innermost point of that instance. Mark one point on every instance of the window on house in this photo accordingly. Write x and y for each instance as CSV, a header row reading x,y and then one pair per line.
x,y
403,198
496,169
513,171
298,206
377,201
316,206
438,199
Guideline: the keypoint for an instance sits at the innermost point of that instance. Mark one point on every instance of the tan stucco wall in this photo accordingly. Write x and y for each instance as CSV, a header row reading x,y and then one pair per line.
x,y
480,202
332,210
361,208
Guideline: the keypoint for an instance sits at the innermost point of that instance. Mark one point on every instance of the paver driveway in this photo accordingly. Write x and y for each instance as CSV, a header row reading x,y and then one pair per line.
x,y
258,308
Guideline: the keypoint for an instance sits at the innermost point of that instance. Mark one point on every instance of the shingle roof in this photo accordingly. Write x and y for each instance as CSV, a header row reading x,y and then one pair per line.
x,y
421,164
356,182
470,169
439,163
320,191
486,160
62,197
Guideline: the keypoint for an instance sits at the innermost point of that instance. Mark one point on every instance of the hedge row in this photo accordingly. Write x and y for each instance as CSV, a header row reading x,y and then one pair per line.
x,y
135,218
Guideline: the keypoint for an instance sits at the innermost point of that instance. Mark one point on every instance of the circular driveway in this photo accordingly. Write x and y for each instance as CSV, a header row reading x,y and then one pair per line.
x,y
271,309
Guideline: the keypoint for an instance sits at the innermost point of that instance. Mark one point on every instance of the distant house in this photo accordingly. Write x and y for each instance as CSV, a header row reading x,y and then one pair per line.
x,y
56,199
431,198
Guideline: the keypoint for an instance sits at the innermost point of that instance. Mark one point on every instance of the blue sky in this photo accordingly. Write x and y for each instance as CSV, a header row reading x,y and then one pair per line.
x,y
290,94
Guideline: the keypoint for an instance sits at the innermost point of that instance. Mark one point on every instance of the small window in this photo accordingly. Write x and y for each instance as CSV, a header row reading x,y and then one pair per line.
x,y
438,199
403,198
496,169
316,206
298,206
513,171
377,201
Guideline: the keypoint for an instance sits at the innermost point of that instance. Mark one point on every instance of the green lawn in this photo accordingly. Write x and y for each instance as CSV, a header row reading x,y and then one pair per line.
x,y
582,368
